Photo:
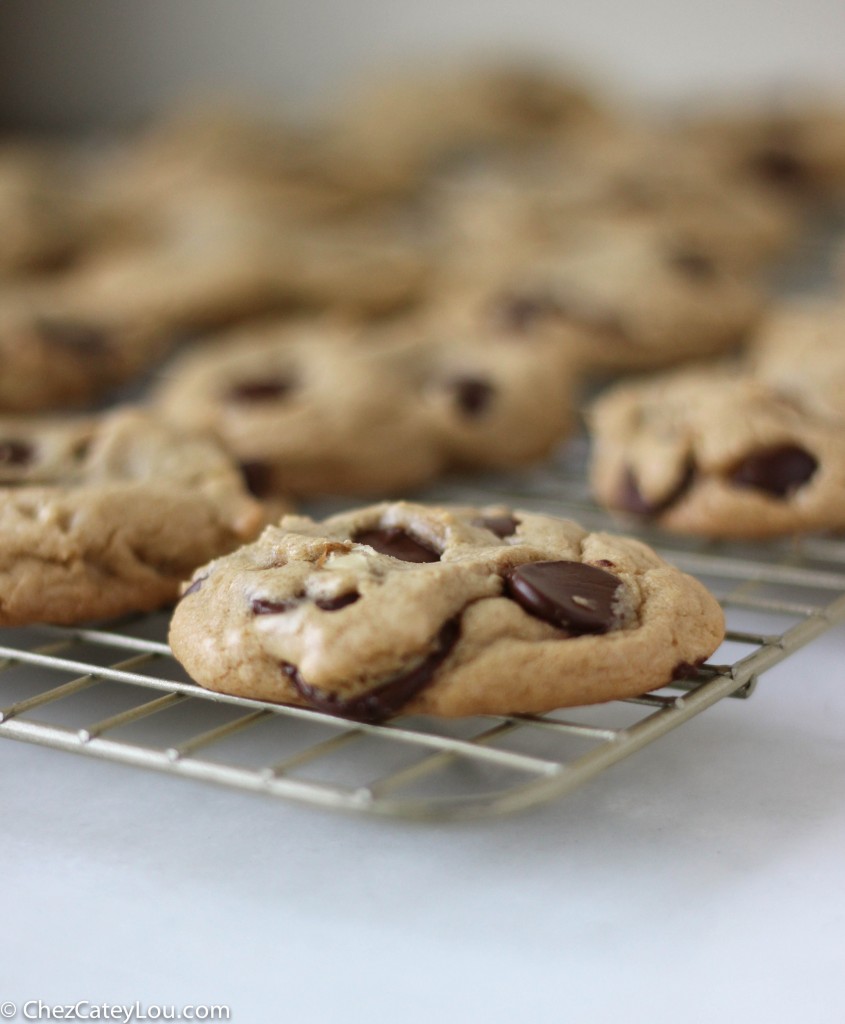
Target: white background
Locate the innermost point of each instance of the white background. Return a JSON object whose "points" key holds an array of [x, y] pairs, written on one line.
{"points": [[700, 881], [90, 62]]}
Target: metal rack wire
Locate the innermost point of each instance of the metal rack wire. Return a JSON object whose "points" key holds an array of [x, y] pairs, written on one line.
{"points": [[117, 693]]}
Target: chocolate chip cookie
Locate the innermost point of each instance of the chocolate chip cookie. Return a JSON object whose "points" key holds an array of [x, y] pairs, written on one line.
{"points": [[59, 351], [795, 150], [420, 123], [106, 516], [800, 352], [403, 608], [718, 453], [632, 177], [615, 297], [41, 220], [318, 407]]}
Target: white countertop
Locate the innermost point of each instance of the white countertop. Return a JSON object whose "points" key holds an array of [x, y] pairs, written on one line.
{"points": [[699, 880]]}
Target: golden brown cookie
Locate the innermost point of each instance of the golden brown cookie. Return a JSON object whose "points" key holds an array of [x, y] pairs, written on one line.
{"points": [[317, 407], [614, 297], [800, 352], [103, 516], [406, 608], [718, 453]]}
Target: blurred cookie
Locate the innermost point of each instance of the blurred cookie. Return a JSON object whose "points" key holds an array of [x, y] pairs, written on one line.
{"points": [[317, 407], [614, 297], [635, 176], [795, 150], [416, 124], [101, 517], [800, 352], [404, 608], [222, 253], [58, 351], [41, 221], [718, 453]]}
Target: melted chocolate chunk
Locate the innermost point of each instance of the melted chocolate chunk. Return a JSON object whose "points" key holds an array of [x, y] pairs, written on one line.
{"points": [[260, 390], [777, 471], [631, 499], [396, 542], [16, 453], [570, 595], [502, 526], [472, 395], [258, 477], [385, 699], [332, 604], [84, 340], [261, 606], [694, 265]]}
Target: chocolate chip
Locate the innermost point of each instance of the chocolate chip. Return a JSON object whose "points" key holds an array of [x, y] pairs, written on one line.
{"points": [[261, 606], [396, 542], [472, 395], [777, 471], [387, 698], [780, 166], [81, 449], [264, 390], [694, 265], [332, 604], [502, 526], [572, 596], [687, 670], [15, 453], [630, 498], [258, 477], [80, 338], [521, 312]]}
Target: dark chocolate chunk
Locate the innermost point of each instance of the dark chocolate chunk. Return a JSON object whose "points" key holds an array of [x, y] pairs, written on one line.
{"points": [[332, 604], [84, 340], [261, 606], [385, 699], [694, 265], [264, 390], [576, 597], [472, 395], [502, 526], [15, 453], [631, 499], [778, 471], [258, 477], [396, 542]]}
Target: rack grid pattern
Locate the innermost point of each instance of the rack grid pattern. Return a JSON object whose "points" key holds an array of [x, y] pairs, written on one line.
{"points": [[117, 693]]}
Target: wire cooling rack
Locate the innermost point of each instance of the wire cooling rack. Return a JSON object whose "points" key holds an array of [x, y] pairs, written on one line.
{"points": [[117, 693]]}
